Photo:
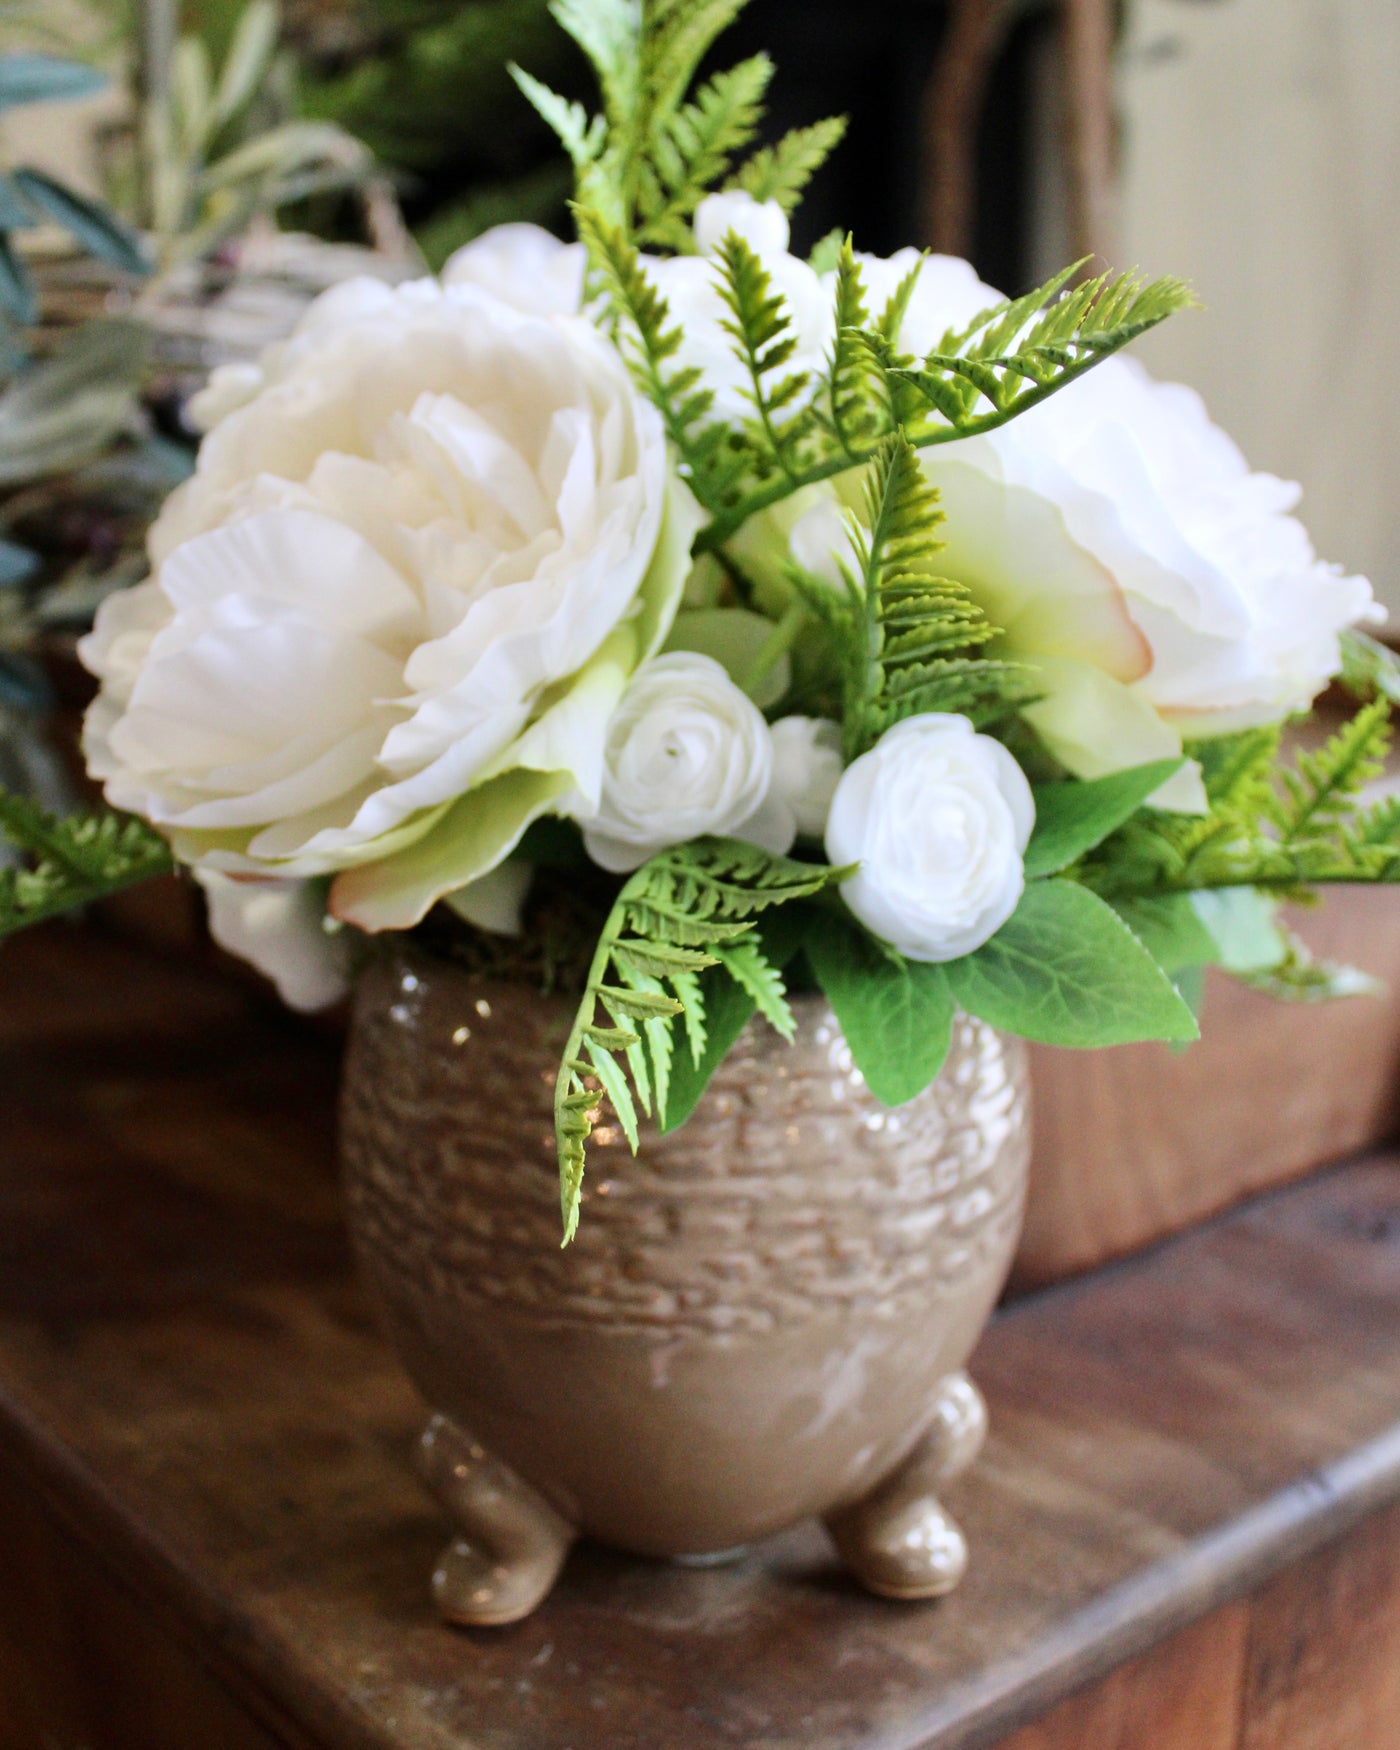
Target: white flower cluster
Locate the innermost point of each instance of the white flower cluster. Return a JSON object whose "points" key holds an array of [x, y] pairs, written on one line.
{"points": [[420, 588]]}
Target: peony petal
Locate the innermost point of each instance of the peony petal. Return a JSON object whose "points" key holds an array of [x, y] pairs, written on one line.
{"points": [[1094, 725], [471, 838]]}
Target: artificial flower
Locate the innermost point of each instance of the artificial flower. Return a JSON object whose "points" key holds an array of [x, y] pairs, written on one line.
{"points": [[280, 927], [807, 768], [1160, 589], [938, 818], [391, 614], [687, 754], [524, 266]]}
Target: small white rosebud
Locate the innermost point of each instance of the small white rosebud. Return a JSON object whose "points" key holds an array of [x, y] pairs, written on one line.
{"points": [[806, 769], [938, 817], [687, 754]]}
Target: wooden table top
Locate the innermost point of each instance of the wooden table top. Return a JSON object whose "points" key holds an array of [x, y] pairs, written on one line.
{"points": [[191, 1378]]}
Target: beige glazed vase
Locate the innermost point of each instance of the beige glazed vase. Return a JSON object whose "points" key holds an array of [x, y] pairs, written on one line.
{"points": [[764, 1317]]}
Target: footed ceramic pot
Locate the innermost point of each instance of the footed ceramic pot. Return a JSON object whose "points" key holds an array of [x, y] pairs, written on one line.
{"points": [[764, 1317]]}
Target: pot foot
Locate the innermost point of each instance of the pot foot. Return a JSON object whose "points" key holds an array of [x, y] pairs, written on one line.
{"points": [[513, 1543], [898, 1541]]}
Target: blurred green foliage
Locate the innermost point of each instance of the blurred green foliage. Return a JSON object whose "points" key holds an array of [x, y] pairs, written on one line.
{"points": [[424, 84]]}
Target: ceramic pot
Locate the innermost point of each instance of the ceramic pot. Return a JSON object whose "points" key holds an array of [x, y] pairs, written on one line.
{"points": [[765, 1314]]}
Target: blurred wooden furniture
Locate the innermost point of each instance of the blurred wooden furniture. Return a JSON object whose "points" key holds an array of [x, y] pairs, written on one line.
{"points": [[1184, 1531], [1136, 1143]]}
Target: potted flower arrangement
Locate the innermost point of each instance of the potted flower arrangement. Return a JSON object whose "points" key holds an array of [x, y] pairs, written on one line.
{"points": [[718, 704]]}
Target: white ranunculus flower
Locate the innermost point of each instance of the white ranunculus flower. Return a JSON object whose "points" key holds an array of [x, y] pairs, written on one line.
{"points": [[280, 928], [524, 266], [938, 817], [691, 285], [687, 754], [392, 612], [807, 768]]}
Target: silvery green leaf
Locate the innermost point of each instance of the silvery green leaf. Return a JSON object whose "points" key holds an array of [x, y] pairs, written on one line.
{"points": [[66, 409], [46, 79], [282, 151], [100, 232], [14, 214], [192, 86], [248, 58], [16, 291], [17, 564]]}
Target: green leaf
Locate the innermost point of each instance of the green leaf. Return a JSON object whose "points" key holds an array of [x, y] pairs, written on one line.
{"points": [[1171, 930], [46, 79], [1241, 922], [17, 298], [99, 232], [63, 410], [1071, 818], [1066, 970], [248, 59], [897, 1015]]}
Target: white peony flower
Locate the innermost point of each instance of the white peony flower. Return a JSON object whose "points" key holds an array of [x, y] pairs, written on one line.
{"points": [[392, 612], [691, 286], [687, 754], [807, 768], [1122, 543], [280, 928], [524, 266], [938, 817]]}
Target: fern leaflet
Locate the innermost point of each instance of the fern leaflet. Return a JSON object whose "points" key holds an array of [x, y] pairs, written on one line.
{"points": [[71, 860], [689, 908], [919, 635]]}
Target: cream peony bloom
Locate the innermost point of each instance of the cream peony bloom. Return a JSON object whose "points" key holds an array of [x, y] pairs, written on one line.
{"points": [[1119, 538], [524, 266], [391, 614], [687, 754], [691, 285], [938, 817]]}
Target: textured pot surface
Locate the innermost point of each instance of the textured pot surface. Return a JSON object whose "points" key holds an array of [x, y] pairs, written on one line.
{"points": [[753, 1322]]}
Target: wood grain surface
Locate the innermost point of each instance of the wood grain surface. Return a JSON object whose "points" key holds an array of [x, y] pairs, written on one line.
{"points": [[204, 1447]]}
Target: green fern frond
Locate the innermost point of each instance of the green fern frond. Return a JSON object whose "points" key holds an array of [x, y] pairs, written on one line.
{"points": [[780, 173], [72, 860], [857, 398], [610, 34], [676, 37], [1322, 789], [1017, 353], [1269, 826], [581, 135], [689, 908], [919, 635], [1300, 977], [765, 342], [693, 148], [650, 341]]}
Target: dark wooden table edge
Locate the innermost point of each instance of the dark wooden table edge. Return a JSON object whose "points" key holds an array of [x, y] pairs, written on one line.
{"points": [[1165, 1597], [257, 1667], [250, 1666]]}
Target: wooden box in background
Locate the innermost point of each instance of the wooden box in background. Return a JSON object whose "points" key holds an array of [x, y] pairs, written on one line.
{"points": [[1136, 1143]]}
